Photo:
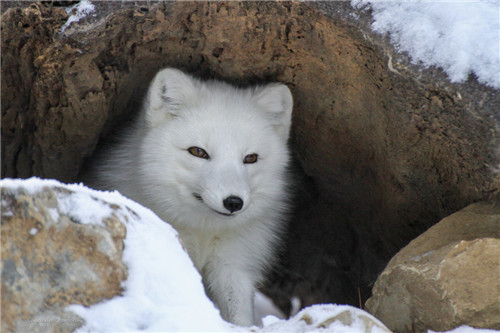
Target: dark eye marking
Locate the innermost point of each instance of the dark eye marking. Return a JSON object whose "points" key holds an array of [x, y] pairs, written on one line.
{"points": [[198, 152], [251, 158]]}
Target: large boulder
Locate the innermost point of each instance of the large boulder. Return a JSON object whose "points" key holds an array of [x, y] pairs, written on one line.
{"points": [[381, 153], [447, 277], [51, 260], [77, 258]]}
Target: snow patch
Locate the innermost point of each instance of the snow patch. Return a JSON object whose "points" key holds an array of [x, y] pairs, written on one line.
{"points": [[327, 318], [4, 212], [461, 37], [77, 12], [83, 208], [53, 213], [265, 307]]}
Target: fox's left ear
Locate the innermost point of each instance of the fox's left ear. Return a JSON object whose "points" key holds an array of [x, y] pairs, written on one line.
{"points": [[277, 102], [169, 93]]}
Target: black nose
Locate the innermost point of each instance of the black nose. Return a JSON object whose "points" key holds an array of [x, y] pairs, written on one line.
{"points": [[233, 203]]}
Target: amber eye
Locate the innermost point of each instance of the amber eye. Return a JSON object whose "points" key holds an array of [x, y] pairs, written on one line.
{"points": [[250, 158], [198, 152]]}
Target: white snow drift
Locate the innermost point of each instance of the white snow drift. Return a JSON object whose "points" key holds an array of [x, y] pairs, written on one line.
{"points": [[461, 37]]}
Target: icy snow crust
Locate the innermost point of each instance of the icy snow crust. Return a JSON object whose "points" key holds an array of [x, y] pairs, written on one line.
{"points": [[77, 12], [163, 291], [460, 36]]}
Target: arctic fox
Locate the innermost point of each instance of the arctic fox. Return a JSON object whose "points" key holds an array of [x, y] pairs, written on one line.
{"points": [[211, 159]]}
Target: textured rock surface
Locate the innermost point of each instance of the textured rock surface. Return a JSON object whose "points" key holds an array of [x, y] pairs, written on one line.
{"points": [[447, 277], [50, 261], [329, 318], [380, 156]]}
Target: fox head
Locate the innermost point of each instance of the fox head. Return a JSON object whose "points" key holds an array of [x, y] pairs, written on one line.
{"points": [[215, 154]]}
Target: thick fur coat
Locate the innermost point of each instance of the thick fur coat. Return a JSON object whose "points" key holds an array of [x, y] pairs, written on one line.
{"points": [[211, 160]]}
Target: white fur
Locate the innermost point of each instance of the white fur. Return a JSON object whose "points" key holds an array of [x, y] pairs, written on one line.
{"points": [[152, 166]]}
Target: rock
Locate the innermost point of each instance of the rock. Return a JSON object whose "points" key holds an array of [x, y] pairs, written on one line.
{"points": [[381, 154], [96, 261], [445, 278], [327, 318], [50, 260]]}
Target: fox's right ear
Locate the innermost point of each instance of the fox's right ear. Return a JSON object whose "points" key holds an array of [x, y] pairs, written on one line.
{"points": [[169, 92]]}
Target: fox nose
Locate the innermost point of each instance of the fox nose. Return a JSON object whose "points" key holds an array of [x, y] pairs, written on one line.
{"points": [[233, 203]]}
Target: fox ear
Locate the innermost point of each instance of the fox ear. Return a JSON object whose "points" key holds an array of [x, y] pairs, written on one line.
{"points": [[277, 102], [168, 93]]}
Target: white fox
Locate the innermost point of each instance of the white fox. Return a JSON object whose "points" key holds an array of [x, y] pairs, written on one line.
{"points": [[211, 159]]}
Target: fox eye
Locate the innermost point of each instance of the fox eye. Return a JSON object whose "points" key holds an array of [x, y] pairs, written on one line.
{"points": [[198, 152], [250, 158]]}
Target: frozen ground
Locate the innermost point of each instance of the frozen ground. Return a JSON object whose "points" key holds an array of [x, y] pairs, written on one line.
{"points": [[461, 36], [163, 291]]}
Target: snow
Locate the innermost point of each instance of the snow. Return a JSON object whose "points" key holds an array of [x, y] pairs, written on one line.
{"points": [[264, 306], [77, 12], [54, 214], [163, 291], [461, 37], [327, 318], [83, 208]]}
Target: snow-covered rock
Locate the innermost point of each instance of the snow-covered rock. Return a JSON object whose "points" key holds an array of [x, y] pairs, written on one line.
{"points": [[98, 262], [459, 36], [77, 12], [327, 318], [94, 249]]}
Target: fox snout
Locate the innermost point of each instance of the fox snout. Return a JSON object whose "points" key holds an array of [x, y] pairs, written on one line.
{"points": [[223, 187], [233, 203]]}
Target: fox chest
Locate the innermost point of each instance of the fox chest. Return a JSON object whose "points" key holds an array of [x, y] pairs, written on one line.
{"points": [[201, 248]]}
